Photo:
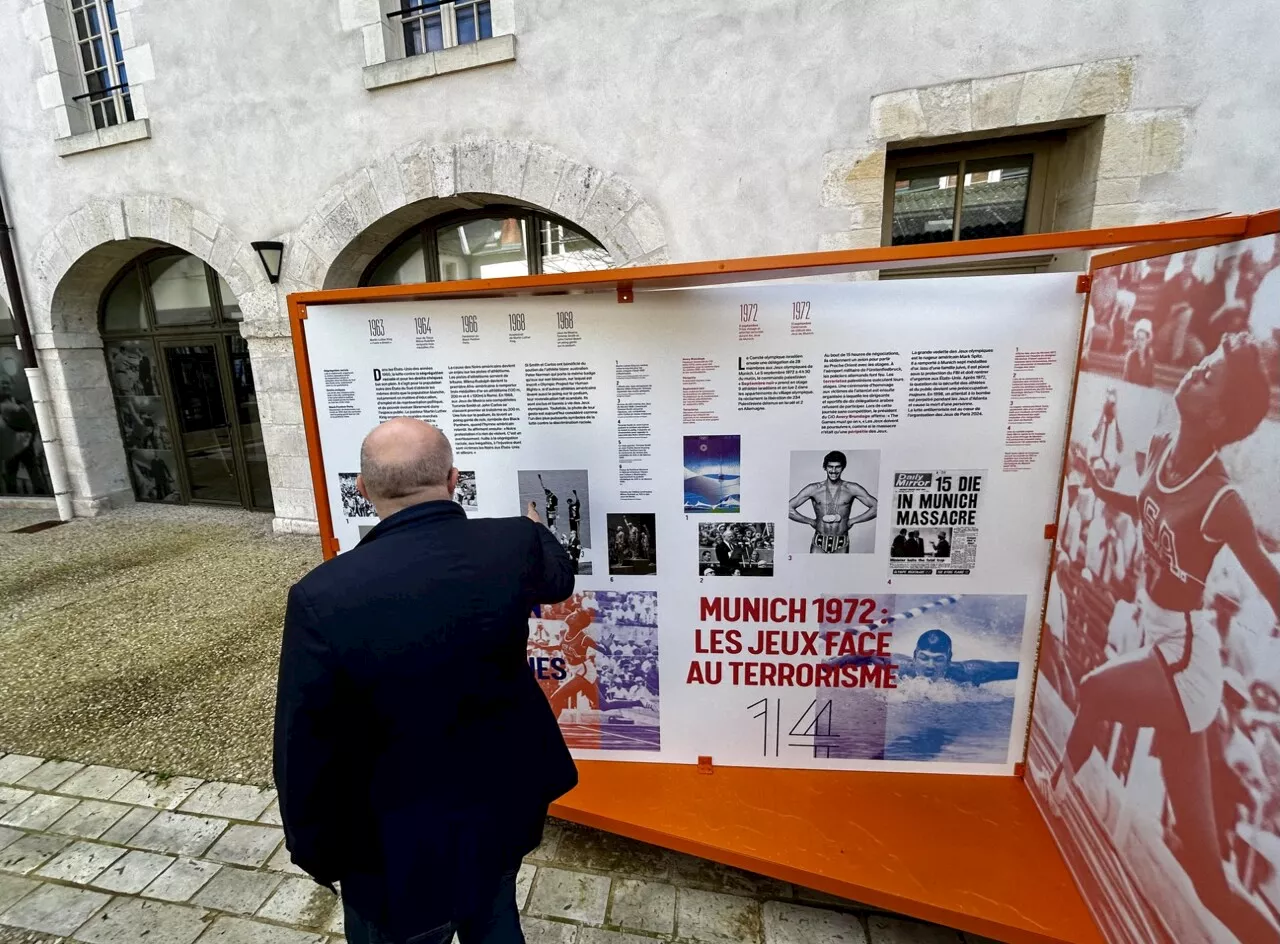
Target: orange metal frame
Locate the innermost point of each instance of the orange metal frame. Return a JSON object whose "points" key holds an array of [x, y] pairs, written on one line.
{"points": [[971, 852], [688, 274]]}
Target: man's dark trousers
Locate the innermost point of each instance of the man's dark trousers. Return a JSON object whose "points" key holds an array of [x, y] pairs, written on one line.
{"points": [[415, 754], [498, 922]]}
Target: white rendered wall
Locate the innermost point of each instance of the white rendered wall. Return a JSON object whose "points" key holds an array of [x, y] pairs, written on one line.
{"points": [[690, 131]]}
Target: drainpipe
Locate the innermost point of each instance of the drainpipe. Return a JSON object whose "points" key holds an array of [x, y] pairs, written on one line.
{"points": [[45, 419]]}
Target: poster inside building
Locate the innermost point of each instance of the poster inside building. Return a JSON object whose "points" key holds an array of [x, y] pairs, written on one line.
{"points": [[807, 519], [1155, 744]]}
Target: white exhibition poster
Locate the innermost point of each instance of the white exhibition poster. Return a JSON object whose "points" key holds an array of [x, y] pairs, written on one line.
{"points": [[808, 518]]}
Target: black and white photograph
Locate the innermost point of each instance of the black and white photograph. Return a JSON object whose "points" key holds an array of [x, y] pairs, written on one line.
{"points": [[465, 493], [132, 368], [144, 422], [921, 542], [833, 503], [738, 549], [632, 548], [23, 470], [354, 505], [560, 496], [155, 473]]}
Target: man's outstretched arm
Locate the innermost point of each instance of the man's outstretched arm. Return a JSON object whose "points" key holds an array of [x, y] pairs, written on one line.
{"points": [[981, 671], [552, 570]]}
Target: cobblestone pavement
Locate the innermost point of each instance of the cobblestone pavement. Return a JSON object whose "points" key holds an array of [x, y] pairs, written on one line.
{"points": [[104, 855], [147, 639]]}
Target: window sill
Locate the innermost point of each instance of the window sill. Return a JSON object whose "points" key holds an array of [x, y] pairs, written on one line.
{"points": [[137, 130], [1016, 265], [454, 59]]}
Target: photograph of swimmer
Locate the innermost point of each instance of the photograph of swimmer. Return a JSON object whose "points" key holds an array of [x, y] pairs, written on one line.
{"points": [[833, 501], [957, 661]]}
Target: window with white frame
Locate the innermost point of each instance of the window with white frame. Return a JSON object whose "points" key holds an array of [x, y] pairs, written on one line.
{"points": [[101, 56], [434, 25]]}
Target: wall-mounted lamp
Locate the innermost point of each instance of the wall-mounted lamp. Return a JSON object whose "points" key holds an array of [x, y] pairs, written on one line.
{"points": [[270, 253]]}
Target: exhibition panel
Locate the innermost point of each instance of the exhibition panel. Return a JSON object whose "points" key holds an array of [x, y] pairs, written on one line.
{"points": [[1155, 747], [813, 528], [807, 520]]}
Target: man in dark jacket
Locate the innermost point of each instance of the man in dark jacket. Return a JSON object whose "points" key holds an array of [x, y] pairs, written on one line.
{"points": [[415, 754]]}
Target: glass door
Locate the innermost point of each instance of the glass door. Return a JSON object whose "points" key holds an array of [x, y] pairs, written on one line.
{"points": [[245, 400], [205, 426], [144, 420]]}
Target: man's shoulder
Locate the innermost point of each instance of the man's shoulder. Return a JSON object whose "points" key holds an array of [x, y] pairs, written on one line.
{"points": [[335, 571], [373, 555]]}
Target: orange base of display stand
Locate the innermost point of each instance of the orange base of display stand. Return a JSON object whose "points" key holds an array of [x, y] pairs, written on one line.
{"points": [[970, 852]]}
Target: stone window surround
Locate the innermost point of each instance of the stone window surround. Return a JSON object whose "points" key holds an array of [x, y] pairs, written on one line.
{"points": [[385, 63], [48, 24], [1136, 145]]}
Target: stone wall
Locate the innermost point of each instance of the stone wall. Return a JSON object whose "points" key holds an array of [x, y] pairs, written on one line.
{"points": [[734, 129], [1111, 157]]}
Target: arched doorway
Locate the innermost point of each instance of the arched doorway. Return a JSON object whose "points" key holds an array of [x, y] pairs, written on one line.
{"points": [[495, 241], [23, 471], [183, 385]]}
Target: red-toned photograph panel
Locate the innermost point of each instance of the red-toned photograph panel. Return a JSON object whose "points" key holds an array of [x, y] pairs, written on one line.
{"points": [[1155, 742]]}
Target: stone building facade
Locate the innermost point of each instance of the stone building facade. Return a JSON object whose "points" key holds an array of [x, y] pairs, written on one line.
{"points": [[659, 133]]}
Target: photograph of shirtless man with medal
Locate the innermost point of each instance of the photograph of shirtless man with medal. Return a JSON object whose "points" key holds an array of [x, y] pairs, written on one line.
{"points": [[831, 510]]}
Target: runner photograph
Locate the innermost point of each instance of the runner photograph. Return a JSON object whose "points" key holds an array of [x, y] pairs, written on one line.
{"points": [[1155, 744]]}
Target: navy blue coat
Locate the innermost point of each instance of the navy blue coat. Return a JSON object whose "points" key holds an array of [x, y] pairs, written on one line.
{"points": [[415, 754]]}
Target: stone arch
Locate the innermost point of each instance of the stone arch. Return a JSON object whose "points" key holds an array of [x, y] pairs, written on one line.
{"points": [[82, 253], [75, 263], [359, 216]]}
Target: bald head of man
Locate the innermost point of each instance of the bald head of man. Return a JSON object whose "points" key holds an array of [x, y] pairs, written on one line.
{"points": [[405, 462]]}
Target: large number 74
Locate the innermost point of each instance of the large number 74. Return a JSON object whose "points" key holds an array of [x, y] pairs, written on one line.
{"points": [[810, 729]]}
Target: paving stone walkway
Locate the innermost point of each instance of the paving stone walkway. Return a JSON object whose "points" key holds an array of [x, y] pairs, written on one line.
{"points": [[103, 855]]}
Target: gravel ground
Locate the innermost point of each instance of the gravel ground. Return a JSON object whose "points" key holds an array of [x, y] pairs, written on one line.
{"points": [[146, 638]]}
